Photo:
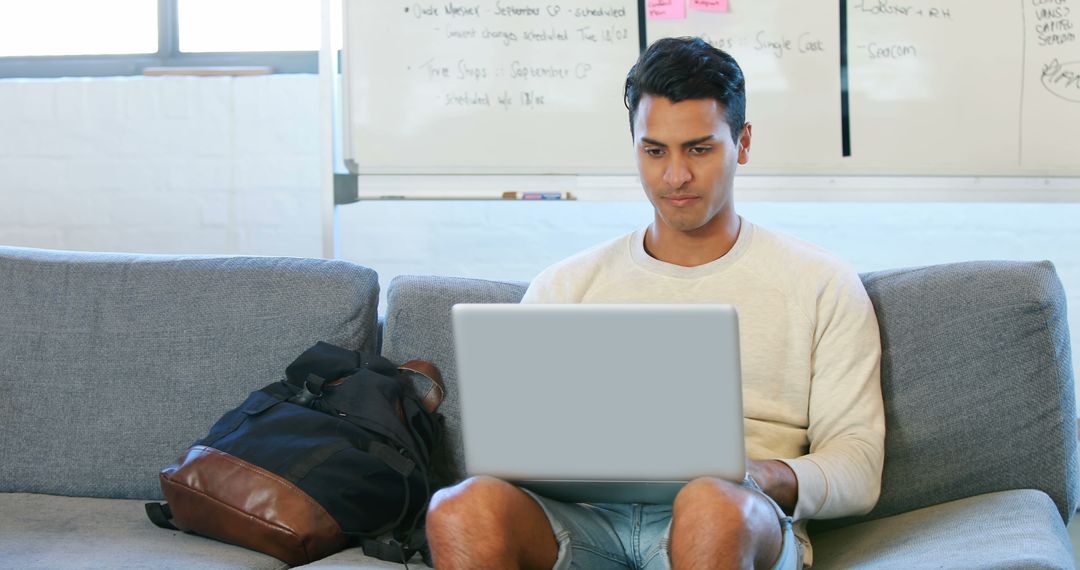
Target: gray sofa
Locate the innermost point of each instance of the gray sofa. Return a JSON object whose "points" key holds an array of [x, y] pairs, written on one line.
{"points": [[111, 364]]}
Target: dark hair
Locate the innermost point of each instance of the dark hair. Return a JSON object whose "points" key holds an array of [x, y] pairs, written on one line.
{"points": [[688, 68]]}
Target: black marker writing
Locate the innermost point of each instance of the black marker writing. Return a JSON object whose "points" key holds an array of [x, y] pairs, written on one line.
{"points": [[1062, 79]]}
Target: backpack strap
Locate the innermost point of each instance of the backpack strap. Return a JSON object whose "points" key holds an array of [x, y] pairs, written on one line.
{"points": [[403, 466], [390, 551], [315, 457], [160, 514], [401, 547], [434, 395]]}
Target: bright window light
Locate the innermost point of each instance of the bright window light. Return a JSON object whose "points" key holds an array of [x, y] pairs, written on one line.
{"points": [[78, 27], [249, 25]]}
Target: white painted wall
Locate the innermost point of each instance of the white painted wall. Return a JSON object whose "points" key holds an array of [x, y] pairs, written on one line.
{"points": [[223, 165], [515, 240]]}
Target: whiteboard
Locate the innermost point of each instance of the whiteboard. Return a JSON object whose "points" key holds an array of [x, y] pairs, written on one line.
{"points": [[488, 86], [935, 87], [969, 88]]}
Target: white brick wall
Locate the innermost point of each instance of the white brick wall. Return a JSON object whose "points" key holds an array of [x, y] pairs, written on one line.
{"points": [[162, 165], [223, 165]]}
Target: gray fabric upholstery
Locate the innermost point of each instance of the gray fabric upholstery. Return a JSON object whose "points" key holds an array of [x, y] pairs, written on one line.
{"points": [[977, 383], [48, 532], [1010, 529], [113, 363], [418, 326], [354, 559]]}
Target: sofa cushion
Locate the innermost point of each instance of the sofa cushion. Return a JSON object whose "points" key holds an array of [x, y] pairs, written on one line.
{"points": [[355, 559], [1010, 529], [113, 363], [43, 531], [977, 383], [418, 326]]}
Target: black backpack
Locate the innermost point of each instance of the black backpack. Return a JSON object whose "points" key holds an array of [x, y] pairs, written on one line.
{"points": [[338, 453]]}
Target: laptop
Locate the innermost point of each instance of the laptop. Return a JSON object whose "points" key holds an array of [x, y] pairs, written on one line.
{"points": [[600, 403]]}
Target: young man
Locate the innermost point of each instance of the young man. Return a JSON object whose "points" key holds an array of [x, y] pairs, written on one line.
{"points": [[810, 345]]}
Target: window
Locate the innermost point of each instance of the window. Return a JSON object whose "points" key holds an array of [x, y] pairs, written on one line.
{"points": [[77, 27], [55, 38], [247, 25]]}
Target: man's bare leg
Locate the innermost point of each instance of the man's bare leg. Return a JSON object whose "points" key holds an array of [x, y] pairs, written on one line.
{"points": [[484, 523], [719, 524]]}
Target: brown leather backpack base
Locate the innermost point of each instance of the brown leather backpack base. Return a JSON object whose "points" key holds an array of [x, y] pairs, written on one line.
{"points": [[240, 503]]}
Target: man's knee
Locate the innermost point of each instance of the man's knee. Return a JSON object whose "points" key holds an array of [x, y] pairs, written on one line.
{"points": [[487, 522], [475, 501], [712, 517], [467, 522], [718, 502], [715, 496]]}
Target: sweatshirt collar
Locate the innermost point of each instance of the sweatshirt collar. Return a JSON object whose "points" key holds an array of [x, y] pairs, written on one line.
{"points": [[642, 259]]}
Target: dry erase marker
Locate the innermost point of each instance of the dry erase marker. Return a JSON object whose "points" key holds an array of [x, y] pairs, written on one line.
{"points": [[541, 196]]}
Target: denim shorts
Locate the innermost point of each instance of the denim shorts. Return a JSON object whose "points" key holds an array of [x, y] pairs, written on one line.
{"points": [[634, 536]]}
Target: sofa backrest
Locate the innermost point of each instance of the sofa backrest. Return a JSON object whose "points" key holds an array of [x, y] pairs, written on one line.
{"points": [[112, 364], [418, 326], [976, 375]]}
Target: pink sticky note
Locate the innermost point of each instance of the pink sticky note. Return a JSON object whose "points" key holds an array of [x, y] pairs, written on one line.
{"points": [[665, 9], [710, 5]]}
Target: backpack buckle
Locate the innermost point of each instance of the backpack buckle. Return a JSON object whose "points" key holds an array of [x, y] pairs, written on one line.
{"points": [[311, 391]]}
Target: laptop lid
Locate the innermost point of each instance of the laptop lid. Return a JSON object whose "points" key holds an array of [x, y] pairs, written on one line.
{"points": [[600, 403]]}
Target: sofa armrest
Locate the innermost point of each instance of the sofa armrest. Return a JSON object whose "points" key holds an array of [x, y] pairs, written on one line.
{"points": [[978, 386]]}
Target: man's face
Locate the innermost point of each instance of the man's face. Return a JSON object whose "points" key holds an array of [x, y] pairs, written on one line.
{"points": [[687, 160]]}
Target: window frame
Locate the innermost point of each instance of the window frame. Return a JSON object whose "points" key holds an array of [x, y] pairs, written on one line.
{"points": [[168, 55]]}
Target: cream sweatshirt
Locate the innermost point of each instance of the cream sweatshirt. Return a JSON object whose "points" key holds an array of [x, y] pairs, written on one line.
{"points": [[810, 351]]}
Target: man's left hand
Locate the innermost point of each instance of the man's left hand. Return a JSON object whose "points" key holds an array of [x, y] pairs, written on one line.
{"points": [[777, 480]]}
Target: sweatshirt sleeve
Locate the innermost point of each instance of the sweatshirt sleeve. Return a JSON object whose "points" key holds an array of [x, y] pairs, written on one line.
{"points": [[841, 474]]}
